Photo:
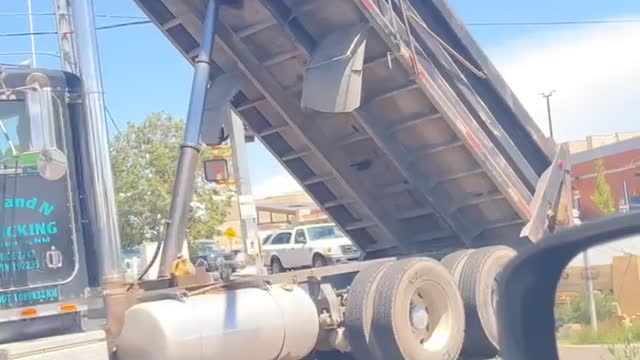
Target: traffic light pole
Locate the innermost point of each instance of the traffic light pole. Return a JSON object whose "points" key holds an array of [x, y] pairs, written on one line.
{"points": [[246, 203]]}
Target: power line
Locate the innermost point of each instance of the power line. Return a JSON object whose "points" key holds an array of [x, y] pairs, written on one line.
{"points": [[479, 23], [104, 16], [120, 25], [35, 33], [113, 122], [18, 53], [552, 23], [105, 27]]}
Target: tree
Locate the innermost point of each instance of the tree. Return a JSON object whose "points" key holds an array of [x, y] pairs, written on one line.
{"points": [[602, 196], [577, 312], [144, 160]]}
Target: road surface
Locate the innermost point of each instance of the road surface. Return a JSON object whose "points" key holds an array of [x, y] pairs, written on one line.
{"points": [[586, 352]]}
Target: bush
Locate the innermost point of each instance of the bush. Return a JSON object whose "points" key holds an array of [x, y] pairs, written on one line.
{"points": [[587, 336], [577, 312]]}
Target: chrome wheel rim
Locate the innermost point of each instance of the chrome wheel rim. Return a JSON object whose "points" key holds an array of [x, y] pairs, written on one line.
{"points": [[430, 316]]}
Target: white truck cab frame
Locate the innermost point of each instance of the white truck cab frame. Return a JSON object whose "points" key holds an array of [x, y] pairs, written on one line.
{"points": [[308, 246]]}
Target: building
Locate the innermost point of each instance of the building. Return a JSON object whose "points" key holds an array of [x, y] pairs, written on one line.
{"points": [[284, 210], [274, 212], [620, 278], [621, 160], [596, 141]]}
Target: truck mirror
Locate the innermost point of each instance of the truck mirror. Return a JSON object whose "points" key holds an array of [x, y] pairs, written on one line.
{"points": [[216, 170], [52, 164]]}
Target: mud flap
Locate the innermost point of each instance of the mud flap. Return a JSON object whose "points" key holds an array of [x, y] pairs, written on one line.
{"points": [[546, 200], [217, 111], [333, 79]]}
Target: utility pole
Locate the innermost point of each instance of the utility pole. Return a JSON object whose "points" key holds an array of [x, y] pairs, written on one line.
{"points": [[246, 203], [32, 35], [547, 97], [68, 56], [588, 279], [593, 316]]}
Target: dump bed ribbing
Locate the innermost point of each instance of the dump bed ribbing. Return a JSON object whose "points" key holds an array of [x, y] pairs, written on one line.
{"points": [[369, 121]]}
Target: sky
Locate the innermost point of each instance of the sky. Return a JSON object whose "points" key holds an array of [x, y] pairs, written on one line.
{"points": [[594, 69]]}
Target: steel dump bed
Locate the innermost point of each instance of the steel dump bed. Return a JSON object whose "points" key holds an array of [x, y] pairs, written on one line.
{"points": [[410, 140]]}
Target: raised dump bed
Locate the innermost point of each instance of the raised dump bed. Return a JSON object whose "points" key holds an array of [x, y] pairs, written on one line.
{"points": [[410, 140]]}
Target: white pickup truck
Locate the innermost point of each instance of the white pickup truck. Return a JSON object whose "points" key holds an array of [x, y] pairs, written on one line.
{"points": [[308, 246]]}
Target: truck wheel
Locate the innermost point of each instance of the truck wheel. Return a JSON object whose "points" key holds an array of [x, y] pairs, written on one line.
{"points": [[276, 266], [318, 261], [359, 311], [418, 313], [455, 261], [478, 287]]}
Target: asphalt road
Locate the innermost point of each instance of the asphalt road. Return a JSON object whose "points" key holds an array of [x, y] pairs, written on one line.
{"points": [[584, 352]]}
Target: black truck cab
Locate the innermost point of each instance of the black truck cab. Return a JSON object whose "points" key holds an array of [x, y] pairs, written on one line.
{"points": [[44, 278]]}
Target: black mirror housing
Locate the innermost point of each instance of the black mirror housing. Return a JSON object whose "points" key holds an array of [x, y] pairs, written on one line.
{"points": [[527, 289]]}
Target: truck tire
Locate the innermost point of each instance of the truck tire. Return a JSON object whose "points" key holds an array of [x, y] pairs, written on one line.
{"points": [[455, 261], [359, 311], [477, 285], [418, 313]]}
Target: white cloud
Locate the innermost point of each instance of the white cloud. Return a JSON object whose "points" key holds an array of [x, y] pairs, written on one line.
{"points": [[594, 69], [275, 185]]}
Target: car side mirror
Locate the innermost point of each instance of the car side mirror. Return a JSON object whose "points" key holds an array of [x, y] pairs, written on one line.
{"points": [[527, 287], [52, 163]]}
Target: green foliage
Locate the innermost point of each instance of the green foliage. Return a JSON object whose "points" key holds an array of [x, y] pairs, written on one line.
{"points": [[617, 336], [577, 312], [144, 160], [602, 196]]}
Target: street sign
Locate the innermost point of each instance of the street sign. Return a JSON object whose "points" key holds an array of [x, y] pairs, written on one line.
{"points": [[230, 233]]}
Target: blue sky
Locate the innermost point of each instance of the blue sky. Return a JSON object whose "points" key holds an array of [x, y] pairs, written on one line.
{"points": [[142, 72]]}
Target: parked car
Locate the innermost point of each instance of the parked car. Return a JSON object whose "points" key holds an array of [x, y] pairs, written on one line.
{"points": [[266, 238], [209, 254], [308, 246]]}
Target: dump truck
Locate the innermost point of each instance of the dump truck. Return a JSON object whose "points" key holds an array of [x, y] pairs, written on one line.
{"points": [[393, 120]]}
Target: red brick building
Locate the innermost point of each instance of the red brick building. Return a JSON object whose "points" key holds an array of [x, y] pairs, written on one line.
{"points": [[621, 162]]}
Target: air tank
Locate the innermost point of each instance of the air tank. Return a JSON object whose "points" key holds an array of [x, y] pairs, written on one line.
{"points": [[279, 322]]}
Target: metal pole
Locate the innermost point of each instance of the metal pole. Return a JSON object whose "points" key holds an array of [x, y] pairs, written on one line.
{"points": [[101, 194], [588, 280], [248, 213], [32, 35], [589, 289], [626, 195], [190, 148], [547, 97], [68, 56]]}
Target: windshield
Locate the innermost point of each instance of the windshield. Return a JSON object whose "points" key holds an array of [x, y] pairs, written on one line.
{"points": [[206, 248], [14, 129], [324, 232]]}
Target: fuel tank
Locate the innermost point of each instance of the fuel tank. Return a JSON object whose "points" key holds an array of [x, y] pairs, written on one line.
{"points": [[280, 322]]}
